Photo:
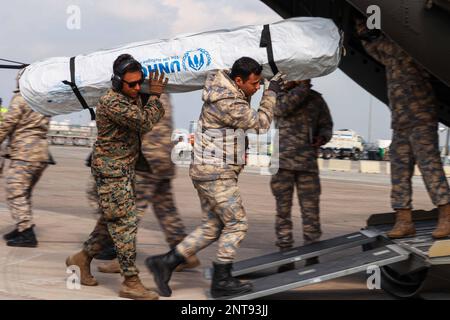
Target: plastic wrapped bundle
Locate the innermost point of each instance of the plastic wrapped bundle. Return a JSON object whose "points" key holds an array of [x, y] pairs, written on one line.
{"points": [[303, 48]]}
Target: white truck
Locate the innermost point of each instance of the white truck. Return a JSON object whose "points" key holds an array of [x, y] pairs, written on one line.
{"points": [[344, 143], [63, 133]]}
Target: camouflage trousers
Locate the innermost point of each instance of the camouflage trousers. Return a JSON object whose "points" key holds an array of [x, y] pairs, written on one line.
{"points": [[117, 224], [224, 220], [158, 192], [308, 192], [91, 194], [417, 145], [21, 178]]}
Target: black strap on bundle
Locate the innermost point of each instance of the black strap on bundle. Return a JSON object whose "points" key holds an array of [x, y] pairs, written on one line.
{"points": [[7, 66], [18, 65], [266, 42], [75, 89]]}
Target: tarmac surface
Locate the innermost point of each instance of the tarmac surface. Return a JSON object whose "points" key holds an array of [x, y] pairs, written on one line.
{"points": [[64, 219]]}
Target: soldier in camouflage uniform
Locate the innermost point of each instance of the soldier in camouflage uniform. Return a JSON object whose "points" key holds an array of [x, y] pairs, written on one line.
{"points": [[304, 124], [215, 170], [155, 186], [122, 119], [3, 110], [415, 139], [29, 155]]}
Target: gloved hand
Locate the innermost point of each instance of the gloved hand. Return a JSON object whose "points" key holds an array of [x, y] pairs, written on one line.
{"points": [[157, 83], [276, 84], [364, 33]]}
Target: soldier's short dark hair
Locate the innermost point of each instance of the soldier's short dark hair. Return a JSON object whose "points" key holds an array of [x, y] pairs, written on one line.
{"points": [[244, 67], [125, 63]]}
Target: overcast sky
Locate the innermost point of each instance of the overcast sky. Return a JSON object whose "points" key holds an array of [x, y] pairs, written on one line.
{"points": [[36, 30]]}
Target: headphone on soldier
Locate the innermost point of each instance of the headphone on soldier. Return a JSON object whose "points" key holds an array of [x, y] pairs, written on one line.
{"points": [[116, 78]]}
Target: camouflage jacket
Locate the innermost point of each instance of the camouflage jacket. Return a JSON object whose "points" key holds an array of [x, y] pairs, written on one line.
{"points": [[300, 115], [157, 144], [411, 96], [121, 121], [27, 131], [219, 143]]}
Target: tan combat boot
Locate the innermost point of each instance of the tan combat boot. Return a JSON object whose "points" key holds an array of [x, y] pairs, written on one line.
{"points": [[191, 263], [110, 267], [132, 288], [443, 227], [83, 261], [404, 226]]}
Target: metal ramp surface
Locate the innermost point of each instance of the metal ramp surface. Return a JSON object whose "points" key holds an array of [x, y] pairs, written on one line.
{"points": [[302, 277], [300, 253]]}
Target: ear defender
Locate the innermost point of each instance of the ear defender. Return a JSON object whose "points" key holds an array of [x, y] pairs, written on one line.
{"points": [[116, 78]]}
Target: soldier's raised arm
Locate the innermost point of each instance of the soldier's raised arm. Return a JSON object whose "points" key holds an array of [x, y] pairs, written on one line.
{"points": [[375, 43], [243, 116], [128, 114]]}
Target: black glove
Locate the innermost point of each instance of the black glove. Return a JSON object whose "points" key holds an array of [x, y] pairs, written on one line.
{"points": [[277, 82]]}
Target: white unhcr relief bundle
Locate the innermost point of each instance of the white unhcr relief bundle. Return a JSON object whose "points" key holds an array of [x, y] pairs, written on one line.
{"points": [[301, 47]]}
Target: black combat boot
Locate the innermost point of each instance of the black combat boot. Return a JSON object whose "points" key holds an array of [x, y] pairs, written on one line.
{"points": [[162, 267], [10, 235], [26, 238], [288, 266], [223, 284], [108, 253]]}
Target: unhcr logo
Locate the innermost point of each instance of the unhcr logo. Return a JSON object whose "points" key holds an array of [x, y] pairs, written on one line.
{"points": [[196, 59]]}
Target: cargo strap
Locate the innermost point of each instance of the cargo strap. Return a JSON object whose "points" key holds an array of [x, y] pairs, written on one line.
{"points": [[75, 89], [266, 42], [18, 65], [7, 66]]}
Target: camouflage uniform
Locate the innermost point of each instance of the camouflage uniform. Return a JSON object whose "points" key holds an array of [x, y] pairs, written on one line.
{"points": [[28, 151], [300, 115], [225, 108], [414, 122], [121, 121], [3, 152], [154, 186], [91, 194]]}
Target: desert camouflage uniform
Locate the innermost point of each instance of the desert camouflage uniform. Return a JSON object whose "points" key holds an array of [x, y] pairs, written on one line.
{"points": [[3, 151], [154, 186], [28, 151], [121, 121], [300, 115], [414, 122], [225, 108]]}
